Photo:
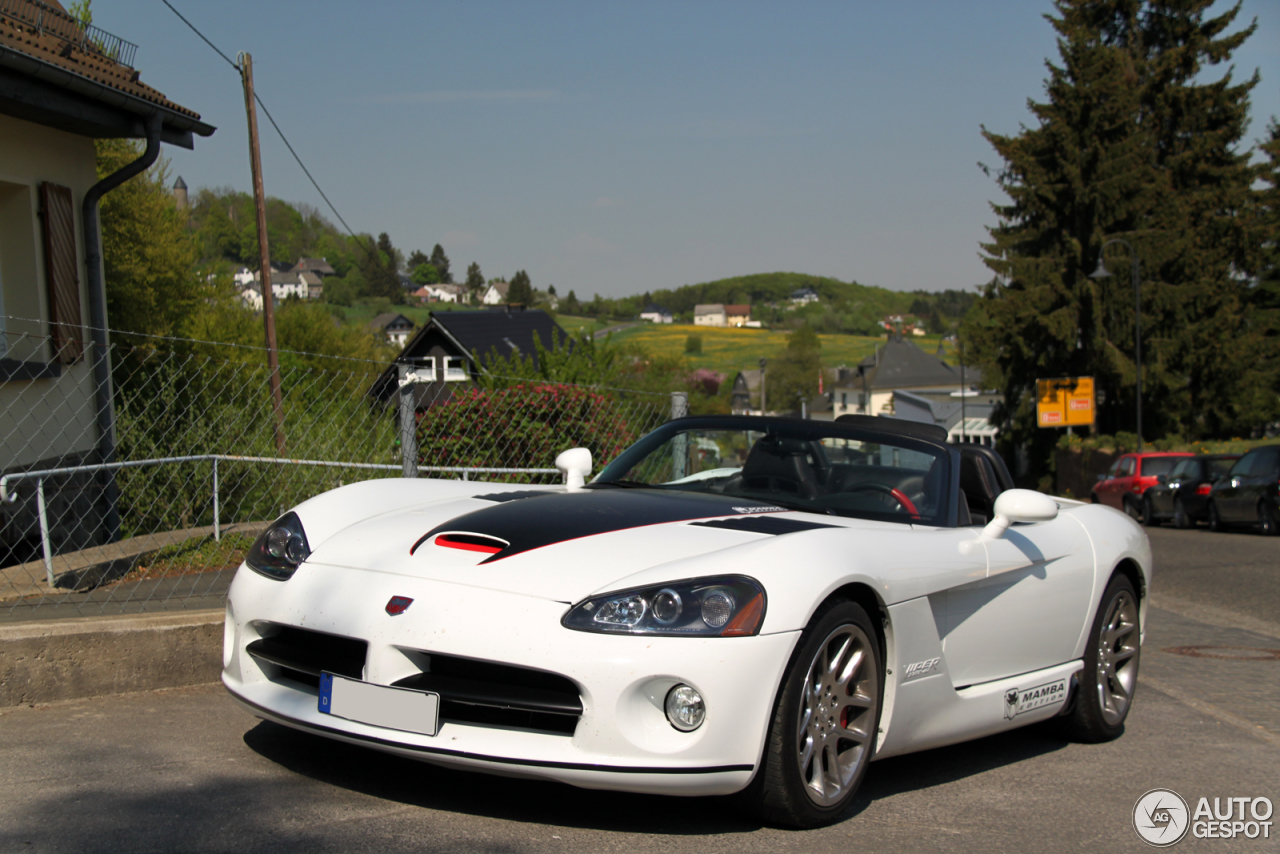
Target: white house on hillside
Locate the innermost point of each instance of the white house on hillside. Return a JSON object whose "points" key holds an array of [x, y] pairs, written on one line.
{"points": [[656, 314], [712, 314], [495, 294]]}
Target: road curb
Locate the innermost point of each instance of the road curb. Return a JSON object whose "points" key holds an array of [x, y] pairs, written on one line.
{"points": [[46, 662]]}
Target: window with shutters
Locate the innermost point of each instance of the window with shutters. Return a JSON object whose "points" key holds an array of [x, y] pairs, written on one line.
{"points": [[58, 224]]}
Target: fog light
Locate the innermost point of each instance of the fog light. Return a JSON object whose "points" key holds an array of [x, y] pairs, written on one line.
{"points": [[685, 709]]}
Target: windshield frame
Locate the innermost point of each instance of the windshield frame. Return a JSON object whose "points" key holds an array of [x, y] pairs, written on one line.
{"points": [[948, 456]]}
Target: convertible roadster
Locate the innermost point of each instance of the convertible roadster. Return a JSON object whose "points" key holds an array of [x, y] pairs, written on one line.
{"points": [[734, 605]]}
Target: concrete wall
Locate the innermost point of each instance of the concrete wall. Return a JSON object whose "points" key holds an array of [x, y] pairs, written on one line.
{"points": [[44, 662]]}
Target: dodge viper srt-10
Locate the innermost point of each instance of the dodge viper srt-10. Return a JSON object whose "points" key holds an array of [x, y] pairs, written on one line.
{"points": [[734, 605]]}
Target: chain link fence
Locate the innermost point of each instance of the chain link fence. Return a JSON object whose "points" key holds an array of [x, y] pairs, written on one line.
{"points": [[146, 497]]}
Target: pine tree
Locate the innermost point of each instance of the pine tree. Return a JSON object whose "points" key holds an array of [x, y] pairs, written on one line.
{"points": [[1127, 146], [440, 261], [380, 269], [520, 290], [475, 279]]}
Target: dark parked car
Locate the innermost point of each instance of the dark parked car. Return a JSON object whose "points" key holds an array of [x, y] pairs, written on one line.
{"points": [[1183, 495], [1130, 476], [1250, 493]]}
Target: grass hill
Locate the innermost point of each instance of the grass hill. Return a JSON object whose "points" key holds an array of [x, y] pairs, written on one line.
{"points": [[844, 307]]}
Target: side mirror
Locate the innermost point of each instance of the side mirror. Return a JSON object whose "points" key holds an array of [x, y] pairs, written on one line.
{"points": [[1162, 478], [575, 465], [1019, 505]]}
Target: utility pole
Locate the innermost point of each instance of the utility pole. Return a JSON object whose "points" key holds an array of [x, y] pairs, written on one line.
{"points": [[763, 364], [260, 202]]}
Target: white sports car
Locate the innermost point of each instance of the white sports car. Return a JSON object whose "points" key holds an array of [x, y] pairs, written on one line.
{"points": [[735, 604]]}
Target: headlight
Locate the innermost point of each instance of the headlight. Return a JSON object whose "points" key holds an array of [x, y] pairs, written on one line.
{"points": [[728, 606], [280, 549]]}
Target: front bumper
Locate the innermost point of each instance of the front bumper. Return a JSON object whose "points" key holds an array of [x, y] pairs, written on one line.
{"points": [[622, 739]]}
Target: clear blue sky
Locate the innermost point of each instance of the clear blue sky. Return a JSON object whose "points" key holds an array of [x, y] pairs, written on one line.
{"points": [[616, 148]]}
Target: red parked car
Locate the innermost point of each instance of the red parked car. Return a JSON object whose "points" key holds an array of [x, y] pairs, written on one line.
{"points": [[1130, 476]]}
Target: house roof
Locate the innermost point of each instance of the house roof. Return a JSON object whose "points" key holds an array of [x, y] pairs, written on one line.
{"points": [[653, 308], [501, 288], [899, 363], [737, 310], [314, 265], [53, 73], [710, 308], [389, 319], [481, 332]]}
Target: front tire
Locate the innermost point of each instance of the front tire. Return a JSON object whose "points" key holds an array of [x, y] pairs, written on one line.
{"points": [[1110, 672], [825, 722]]}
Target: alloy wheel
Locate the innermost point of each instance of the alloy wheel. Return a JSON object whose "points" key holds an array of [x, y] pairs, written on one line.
{"points": [[837, 714], [1118, 657]]}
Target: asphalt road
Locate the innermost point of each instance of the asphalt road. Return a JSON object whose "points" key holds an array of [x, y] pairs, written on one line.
{"points": [[186, 770]]}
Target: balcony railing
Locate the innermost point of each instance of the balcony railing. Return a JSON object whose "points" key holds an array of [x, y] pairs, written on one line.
{"points": [[47, 20]]}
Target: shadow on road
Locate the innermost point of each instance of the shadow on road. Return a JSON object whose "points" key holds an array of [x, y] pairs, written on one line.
{"points": [[406, 781]]}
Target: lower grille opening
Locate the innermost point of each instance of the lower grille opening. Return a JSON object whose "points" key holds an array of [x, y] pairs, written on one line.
{"points": [[485, 692], [300, 655]]}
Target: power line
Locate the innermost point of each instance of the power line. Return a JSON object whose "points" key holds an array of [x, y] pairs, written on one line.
{"points": [[271, 119], [200, 34]]}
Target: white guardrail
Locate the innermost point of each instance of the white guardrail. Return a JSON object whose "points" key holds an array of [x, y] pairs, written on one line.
{"points": [[8, 494]]}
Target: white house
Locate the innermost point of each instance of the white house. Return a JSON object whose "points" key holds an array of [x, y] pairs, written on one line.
{"points": [[657, 314], [804, 296], [495, 294], [710, 315]]}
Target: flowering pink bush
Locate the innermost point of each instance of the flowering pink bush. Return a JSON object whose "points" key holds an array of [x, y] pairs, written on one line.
{"points": [[706, 381], [524, 426]]}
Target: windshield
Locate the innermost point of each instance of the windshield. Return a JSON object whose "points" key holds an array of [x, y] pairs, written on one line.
{"points": [[811, 466], [1219, 468], [1152, 466]]}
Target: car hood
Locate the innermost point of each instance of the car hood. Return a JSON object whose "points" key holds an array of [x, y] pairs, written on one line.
{"points": [[560, 546]]}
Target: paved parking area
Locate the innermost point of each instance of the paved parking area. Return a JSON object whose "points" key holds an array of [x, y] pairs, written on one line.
{"points": [[186, 770]]}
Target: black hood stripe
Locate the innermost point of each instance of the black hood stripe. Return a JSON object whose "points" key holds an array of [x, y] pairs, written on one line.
{"points": [[559, 517]]}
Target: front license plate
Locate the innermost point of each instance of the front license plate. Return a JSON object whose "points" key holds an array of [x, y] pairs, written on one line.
{"points": [[380, 705]]}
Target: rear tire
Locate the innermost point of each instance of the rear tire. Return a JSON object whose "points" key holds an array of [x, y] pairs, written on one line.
{"points": [[1110, 672], [825, 722], [1149, 513], [1180, 517], [1132, 509], [1268, 523], [1215, 521]]}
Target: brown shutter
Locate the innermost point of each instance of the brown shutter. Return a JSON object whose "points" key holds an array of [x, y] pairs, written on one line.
{"points": [[59, 225]]}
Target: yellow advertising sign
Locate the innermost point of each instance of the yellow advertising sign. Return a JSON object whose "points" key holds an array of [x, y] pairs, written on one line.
{"points": [[1065, 402]]}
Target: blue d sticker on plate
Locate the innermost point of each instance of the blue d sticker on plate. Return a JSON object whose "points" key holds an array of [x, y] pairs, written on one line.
{"points": [[326, 692]]}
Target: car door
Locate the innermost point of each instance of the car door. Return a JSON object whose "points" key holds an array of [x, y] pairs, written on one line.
{"points": [[1184, 475], [1260, 480], [1030, 609], [1106, 486], [1228, 498], [1118, 485]]}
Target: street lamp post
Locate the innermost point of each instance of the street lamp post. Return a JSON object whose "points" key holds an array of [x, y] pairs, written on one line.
{"points": [[1101, 273]]}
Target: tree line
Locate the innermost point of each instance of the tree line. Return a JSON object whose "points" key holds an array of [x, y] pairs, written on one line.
{"points": [[1138, 139]]}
